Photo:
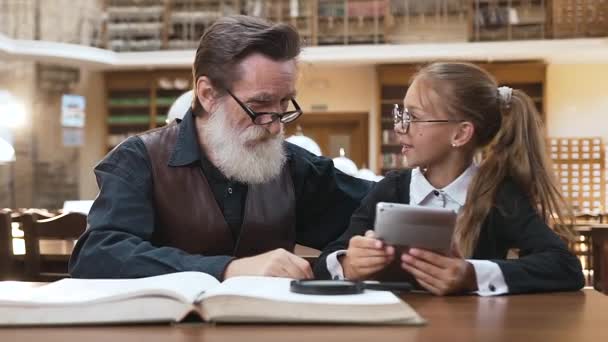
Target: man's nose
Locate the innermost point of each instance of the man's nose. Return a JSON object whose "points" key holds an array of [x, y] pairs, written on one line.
{"points": [[274, 127]]}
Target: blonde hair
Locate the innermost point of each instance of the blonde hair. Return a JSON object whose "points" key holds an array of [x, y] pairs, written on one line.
{"points": [[511, 133]]}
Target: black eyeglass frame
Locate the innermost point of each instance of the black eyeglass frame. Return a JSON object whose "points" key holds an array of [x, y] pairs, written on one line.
{"points": [[258, 117], [403, 117]]}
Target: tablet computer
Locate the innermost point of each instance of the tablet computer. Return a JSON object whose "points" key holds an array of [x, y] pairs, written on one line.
{"points": [[406, 226]]}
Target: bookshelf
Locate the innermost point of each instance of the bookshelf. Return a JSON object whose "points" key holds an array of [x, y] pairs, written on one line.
{"points": [[134, 25], [393, 84], [300, 14], [144, 25], [186, 20], [410, 21], [139, 100], [507, 19], [390, 94], [148, 25], [351, 22], [578, 18]]}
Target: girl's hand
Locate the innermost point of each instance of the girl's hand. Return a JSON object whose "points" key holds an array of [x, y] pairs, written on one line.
{"points": [[440, 274], [365, 256]]}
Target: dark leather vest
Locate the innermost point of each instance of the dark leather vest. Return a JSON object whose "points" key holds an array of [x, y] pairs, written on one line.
{"points": [[187, 215]]}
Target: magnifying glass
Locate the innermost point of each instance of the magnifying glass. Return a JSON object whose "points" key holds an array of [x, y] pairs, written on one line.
{"points": [[345, 287]]}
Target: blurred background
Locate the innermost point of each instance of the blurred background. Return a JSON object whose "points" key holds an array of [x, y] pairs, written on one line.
{"points": [[78, 77]]}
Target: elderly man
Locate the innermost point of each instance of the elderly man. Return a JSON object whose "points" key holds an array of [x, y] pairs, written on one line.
{"points": [[220, 192]]}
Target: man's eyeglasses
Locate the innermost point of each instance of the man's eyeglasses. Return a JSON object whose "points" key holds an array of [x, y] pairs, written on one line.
{"points": [[265, 118], [403, 119]]}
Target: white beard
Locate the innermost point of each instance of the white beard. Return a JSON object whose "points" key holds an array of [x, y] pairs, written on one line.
{"points": [[250, 157]]}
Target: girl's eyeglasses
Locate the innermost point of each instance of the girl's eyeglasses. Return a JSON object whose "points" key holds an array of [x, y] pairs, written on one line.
{"points": [[403, 119]]}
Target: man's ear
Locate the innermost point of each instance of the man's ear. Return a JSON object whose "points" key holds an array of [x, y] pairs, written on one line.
{"points": [[206, 94], [463, 134]]}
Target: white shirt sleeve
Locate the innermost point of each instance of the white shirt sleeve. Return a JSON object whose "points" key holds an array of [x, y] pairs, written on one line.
{"points": [[490, 280], [333, 265]]}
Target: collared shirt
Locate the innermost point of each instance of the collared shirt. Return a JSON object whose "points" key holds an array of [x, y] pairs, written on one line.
{"points": [[490, 280], [230, 195], [121, 223], [453, 196]]}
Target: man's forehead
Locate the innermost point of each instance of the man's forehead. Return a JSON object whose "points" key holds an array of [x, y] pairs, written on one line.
{"points": [[259, 68], [260, 61], [266, 79], [269, 95]]}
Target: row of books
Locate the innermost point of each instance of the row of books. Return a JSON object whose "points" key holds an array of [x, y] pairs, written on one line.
{"points": [[134, 119], [140, 101], [393, 160], [389, 137]]}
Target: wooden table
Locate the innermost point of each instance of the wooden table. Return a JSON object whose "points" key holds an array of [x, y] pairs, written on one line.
{"points": [[576, 316]]}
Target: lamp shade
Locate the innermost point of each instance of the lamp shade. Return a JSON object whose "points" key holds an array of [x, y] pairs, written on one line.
{"points": [[180, 106], [345, 164], [304, 142], [7, 152]]}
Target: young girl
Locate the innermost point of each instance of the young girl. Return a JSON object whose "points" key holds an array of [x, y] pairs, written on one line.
{"points": [[450, 112]]}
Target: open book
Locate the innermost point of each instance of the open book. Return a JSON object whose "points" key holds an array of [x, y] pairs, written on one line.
{"points": [[172, 297]]}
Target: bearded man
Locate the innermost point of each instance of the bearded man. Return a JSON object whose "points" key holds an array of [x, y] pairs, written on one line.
{"points": [[220, 191]]}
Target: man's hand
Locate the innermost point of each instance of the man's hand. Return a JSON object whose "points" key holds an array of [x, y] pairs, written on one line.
{"points": [[439, 274], [276, 263], [365, 256]]}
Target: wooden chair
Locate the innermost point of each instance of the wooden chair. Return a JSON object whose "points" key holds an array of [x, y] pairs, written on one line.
{"points": [[599, 236], [18, 214], [581, 248], [41, 265], [6, 245], [588, 218]]}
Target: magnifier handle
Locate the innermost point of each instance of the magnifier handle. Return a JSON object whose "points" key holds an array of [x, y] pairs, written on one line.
{"points": [[395, 286]]}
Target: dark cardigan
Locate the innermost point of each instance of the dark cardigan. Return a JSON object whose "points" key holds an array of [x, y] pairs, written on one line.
{"points": [[544, 264]]}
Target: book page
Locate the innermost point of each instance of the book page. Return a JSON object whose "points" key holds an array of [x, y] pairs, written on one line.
{"points": [[278, 289], [183, 286]]}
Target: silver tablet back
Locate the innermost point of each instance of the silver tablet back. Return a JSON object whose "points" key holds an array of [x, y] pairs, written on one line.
{"points": [[407, 226]]}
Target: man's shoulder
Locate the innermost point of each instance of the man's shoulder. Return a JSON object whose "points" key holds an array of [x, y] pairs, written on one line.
{"points": [[301, 161], [310, 168], [131, 153], [137, 143], [293, 151], [133, 145], [156, 134], [129, 160]]}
